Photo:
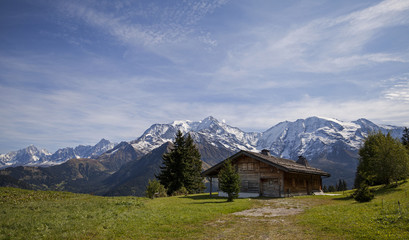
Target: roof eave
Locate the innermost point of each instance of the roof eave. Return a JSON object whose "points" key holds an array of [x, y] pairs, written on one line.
{"points": [[213, 171]]}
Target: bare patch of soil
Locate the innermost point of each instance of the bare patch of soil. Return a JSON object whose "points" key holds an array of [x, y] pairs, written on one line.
{"points": [[270, 219], [269, 212]]}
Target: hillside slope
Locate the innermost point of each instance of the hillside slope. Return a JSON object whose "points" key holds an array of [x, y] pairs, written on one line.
{"points": [[75, 175]]}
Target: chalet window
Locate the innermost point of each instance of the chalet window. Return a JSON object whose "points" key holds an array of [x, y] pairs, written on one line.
{"points": [[247, 167], [250, 166]]}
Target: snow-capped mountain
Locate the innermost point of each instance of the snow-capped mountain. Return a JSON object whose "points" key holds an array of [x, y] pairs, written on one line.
{"points": [[313, 135], [210, 129], [327, 143], [94, 151], [286, 139], [31, 156]]}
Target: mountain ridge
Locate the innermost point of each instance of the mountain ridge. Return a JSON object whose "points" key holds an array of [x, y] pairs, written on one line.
{"points": [[329, 144], [32, 156]]}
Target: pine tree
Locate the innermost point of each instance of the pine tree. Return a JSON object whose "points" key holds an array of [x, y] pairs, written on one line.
{"points": [[181, 167], [193, 181], [229, 181], [344, 184], [331, 188], [405, 137], [363, 194], [171, 174]]}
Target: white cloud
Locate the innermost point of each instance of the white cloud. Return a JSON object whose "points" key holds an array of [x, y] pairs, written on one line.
{"points": [[151, 26], [397, 88], [324, 44], [269, 73]]}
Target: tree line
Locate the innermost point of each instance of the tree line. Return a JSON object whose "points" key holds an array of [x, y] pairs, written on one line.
{"points": [[340, 186]]}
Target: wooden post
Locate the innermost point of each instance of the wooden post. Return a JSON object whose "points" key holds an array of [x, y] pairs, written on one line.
{"points": [[211, 181], [321, 183]]}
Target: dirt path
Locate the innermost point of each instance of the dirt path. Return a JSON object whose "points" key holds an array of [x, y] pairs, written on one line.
{"points": [[270, 219], [274, 208]]}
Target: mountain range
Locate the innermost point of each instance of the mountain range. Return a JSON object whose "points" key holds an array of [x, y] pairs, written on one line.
{"points": [[32, 156], [124, 169]]}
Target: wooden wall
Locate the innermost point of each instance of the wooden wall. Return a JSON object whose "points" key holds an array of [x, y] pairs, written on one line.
{"points": [[248, 170], [258, 177], [301, 184]]}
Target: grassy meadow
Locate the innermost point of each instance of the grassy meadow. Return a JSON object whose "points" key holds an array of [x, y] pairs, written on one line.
{"points": [[60, 215], [385, 217], [28, 214]]}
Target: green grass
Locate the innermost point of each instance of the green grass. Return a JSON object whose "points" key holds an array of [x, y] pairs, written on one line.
{"points": [[59, 215], [344, 218]]}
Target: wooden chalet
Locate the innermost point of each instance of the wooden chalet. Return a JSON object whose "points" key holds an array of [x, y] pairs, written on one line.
{"points": [[264, 175]]}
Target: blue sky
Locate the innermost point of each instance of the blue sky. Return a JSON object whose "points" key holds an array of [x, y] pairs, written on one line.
{"points": [[73, 72]]}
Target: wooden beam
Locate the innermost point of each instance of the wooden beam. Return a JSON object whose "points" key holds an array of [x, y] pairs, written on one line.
{"points": [[211, 185]]}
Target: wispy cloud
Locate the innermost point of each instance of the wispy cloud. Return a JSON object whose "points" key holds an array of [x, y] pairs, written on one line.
{"points": [[152, 25], [112, 68], [397, 88], [325, 44]]}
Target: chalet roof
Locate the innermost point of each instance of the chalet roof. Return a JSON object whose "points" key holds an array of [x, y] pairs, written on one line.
{"points": [[283, 164]]}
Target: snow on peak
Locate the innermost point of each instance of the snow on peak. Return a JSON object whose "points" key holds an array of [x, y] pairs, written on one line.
{"points": [[308, 137], [32, 156], [184, 126]]}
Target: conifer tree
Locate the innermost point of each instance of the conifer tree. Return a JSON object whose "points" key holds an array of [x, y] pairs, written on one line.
{"points": [[193, 181], [229, 181], [331, 188], [181, 167], [344, 183], [405, 138]]}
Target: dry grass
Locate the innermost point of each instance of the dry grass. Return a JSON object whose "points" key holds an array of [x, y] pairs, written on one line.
{"points": [[270, 219]]}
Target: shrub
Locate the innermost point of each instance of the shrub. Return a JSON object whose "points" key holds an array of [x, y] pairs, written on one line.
{"points": [[363, 194], [180, 191], [155, 189]]}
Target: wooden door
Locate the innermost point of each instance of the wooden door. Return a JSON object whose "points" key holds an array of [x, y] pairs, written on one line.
{"points": [[270, 187]]}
